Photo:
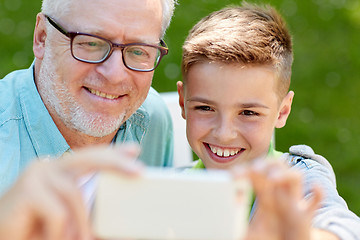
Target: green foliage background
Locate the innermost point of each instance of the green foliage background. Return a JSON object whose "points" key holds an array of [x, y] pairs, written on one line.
{"points": [[326, 71]]}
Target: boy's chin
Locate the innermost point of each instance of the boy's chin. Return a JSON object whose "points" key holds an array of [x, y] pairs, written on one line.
{"points": [[227, 164], [220, 165]]}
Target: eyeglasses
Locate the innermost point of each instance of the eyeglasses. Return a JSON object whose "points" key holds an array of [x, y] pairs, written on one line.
{"points": [[90, 48]]}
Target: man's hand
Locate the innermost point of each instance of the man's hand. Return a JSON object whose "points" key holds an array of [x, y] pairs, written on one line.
{"points": [[46, 202]]}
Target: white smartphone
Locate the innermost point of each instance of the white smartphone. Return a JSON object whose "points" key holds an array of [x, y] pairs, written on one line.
{"points": [[168, 204]]}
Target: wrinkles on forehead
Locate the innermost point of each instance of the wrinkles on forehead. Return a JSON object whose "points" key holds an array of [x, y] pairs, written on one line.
{"points": [[116, 20], [61, 8]]}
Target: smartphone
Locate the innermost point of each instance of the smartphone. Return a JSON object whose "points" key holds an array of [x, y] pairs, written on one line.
{"points": [[169, 204]]}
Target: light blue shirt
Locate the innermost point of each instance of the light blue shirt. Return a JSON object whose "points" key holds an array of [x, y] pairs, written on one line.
{"points": [[27, 130]]}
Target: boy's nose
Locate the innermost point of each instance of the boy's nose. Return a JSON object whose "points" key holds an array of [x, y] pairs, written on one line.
{"points": [[225, 130]]}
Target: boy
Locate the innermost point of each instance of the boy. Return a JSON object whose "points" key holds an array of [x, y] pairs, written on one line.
{"points": [[236, 76]]}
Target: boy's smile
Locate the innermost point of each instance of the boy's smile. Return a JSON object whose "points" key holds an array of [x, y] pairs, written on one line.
{"points": [[231, 111], [223, 154]]}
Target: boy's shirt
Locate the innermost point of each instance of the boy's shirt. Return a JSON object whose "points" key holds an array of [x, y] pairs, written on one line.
{"points": [[333, 215]]}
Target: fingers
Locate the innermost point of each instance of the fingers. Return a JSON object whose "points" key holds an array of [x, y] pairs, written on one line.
{"points": [[70, 211], [63, 184], [102, 158], [48, 205], [314, 202], [282, 211], [46, 202], [268, 174]]}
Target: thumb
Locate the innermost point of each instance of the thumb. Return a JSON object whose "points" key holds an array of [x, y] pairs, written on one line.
{"points": [[119, 158]]}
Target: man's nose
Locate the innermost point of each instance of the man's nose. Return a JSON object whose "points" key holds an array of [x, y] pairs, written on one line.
{"points": [[114, 69]]}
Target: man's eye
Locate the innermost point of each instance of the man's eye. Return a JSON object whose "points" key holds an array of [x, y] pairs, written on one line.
{"points": [[92, 44], [88, 44], [249, 113], [137, 52]]}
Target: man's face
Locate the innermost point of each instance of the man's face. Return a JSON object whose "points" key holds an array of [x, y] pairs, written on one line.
{"points": [[96, 99], [231, 112]]}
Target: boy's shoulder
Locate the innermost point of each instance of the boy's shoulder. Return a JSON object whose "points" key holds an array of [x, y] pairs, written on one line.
{"points": [[304, 155]]}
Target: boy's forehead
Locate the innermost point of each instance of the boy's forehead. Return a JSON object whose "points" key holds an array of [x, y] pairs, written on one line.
{"points": [[234, 68], [238, 71], [222, 74]]}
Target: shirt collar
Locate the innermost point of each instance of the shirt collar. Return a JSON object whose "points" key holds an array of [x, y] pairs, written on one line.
{"points": [[45, 136]]}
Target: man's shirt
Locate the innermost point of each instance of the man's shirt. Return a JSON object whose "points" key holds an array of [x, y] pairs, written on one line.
{"points": [[27, 130]]}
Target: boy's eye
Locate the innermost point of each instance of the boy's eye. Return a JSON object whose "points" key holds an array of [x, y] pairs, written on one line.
{"points": [[249, 113], [203, 108]]}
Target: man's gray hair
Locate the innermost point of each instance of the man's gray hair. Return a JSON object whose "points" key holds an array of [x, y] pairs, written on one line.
{"points": [[58, 8], [168, 7]]}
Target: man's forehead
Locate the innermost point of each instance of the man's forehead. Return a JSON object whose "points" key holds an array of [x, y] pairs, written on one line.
{"points": [[113, 19], [121, 7]]}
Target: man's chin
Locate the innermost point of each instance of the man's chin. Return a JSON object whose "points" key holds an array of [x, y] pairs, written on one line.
{"points": [[97, 127]]}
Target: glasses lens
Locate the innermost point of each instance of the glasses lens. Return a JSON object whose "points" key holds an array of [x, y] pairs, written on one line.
{"points": [[141, 57], [90, 48]]}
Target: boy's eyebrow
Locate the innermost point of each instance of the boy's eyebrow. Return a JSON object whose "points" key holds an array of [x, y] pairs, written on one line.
{"points": [[253, 105], [200, 99], [241, 105]]}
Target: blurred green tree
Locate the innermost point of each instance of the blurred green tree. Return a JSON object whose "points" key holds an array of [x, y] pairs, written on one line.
{"points": [[326, 71]]}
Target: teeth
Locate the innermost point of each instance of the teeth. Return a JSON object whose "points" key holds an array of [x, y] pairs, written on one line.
{"points": [[101, 94], [224, 152]]}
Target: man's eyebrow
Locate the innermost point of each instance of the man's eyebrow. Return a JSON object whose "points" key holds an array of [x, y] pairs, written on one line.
{"points": [[102, 34], [99, 32], [91, 30]]}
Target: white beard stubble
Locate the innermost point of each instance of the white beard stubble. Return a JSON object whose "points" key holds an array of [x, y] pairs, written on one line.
{"points": [[74, 116]]}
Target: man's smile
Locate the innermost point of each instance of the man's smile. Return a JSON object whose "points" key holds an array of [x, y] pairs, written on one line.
{"points": [[102, 94]]}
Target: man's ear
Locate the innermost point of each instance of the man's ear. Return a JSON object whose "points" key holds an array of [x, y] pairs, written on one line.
{"points": [[180, 89], [40, 35], [285, 109]]}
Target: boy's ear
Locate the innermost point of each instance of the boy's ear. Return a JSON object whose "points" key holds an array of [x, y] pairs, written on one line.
{"points": [[39, 36], [285, 109], [180, 89]]}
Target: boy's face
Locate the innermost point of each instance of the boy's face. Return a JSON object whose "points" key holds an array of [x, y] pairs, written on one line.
{"points": [[231, 112]]}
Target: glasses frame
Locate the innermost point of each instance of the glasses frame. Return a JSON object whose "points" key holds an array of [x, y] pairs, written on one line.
{"points": [[71, 35]]}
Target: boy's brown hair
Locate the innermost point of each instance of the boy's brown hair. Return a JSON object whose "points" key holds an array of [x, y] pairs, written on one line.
{"points": [[247, 34]]}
